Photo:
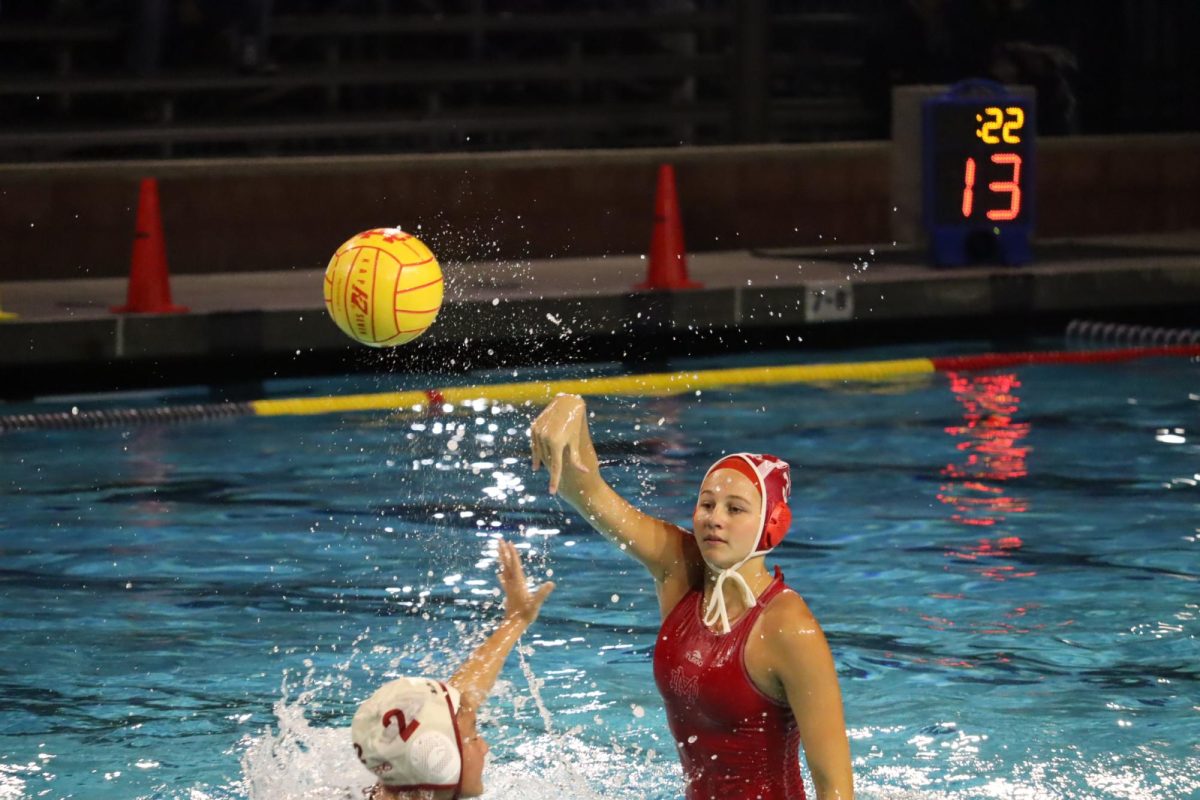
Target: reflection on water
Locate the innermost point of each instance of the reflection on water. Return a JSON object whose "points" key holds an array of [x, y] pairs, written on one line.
{"points": [[977, 489], [991, 455], [989, 444]]}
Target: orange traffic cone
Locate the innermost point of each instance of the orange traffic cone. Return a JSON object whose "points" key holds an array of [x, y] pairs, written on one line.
{"points": [[668, 257], [149, 286]]}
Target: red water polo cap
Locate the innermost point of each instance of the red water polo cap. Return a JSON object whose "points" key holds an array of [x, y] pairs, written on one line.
{"points": [[773, 478]]}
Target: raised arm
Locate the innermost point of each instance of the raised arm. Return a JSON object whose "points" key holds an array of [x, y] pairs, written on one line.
{"points": [[560, 439], [478, 673]]}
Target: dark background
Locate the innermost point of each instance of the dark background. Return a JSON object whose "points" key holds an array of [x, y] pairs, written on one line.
{"points": [[198, 78]]}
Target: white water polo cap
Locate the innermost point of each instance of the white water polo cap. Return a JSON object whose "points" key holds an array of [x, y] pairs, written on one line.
{"points": [[772, 477], [406, 733]]}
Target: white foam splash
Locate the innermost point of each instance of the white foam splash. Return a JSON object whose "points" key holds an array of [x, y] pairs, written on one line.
{"points": [[294, 760], [535, 685], [300, 762], [303, 762]]}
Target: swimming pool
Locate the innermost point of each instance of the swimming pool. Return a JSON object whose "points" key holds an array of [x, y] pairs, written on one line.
{"points": [[1005, 564]]}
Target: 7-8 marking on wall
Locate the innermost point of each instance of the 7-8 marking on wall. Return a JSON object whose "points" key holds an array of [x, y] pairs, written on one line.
{"points": [[828, 301]]}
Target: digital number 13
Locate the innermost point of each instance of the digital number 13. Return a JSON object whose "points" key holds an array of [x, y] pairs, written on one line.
{"points": [[1012, 186]]}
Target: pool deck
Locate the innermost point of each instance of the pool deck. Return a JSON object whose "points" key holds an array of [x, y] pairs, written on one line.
{"points": [[244, 325]]}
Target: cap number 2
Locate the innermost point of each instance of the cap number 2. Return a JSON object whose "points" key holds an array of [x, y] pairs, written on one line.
{"points": [[407, 729]]}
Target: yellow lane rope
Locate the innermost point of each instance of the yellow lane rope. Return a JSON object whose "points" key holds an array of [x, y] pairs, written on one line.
{"points": [[650, 385], [529, 392]]}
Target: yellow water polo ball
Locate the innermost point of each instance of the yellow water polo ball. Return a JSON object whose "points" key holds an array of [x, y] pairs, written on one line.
{"points": [[383, 287]]}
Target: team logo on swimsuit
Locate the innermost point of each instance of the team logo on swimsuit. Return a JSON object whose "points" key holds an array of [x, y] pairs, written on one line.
{"points": [[685, 687], [695, 657]]}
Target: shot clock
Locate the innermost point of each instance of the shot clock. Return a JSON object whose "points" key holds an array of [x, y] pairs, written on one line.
{"points": [[977, 174]]}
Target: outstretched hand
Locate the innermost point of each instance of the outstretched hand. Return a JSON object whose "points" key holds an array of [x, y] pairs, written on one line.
{"points": [[559, 435], [475, 678], [519, 603]]}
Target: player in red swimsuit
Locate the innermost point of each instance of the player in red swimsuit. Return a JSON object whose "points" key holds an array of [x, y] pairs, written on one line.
{"points": [[744, 669]]}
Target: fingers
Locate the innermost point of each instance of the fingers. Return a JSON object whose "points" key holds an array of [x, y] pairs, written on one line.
{"points": [[510, 563], [556, 463], [552, 434], [544, 450], [539, 445], [501, 558], [539, 597], [512, 574], [516, 571], [519, 603], [543, 592], [539, 437]]}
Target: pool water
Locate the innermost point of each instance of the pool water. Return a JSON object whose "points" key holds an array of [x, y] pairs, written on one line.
{"points": [[1005, 565]]}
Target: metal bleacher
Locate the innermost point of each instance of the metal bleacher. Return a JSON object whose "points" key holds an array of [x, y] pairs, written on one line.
{"points": [[440, 75]]}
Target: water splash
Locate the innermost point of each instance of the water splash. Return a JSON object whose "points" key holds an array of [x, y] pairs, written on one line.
{"points": [[300, 761], [535, 684]]}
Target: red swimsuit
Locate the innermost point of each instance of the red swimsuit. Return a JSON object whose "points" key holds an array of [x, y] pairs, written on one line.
{"points": [[734, 741]]}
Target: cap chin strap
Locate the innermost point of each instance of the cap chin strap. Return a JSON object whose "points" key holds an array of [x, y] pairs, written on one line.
{"points": [[716, 611], [457, 741]]}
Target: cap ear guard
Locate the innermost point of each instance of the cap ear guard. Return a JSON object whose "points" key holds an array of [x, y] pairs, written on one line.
{"points": [[776, 526]]}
